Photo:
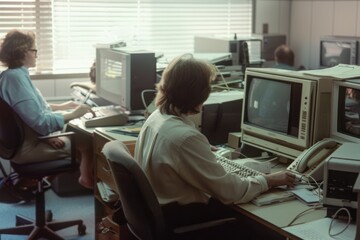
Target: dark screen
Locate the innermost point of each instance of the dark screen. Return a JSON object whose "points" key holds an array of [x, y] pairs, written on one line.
{"points": [[274, 105]]}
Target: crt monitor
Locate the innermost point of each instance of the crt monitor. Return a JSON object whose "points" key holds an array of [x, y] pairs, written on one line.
{"points": [[346, 110], [122, 75], [335, 50], [284, 112]]}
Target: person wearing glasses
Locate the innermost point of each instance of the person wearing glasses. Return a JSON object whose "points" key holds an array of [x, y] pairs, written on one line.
{"points": [[18, 53]]}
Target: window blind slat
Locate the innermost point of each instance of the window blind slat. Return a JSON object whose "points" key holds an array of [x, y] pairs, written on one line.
{"points": [[67, 30]]}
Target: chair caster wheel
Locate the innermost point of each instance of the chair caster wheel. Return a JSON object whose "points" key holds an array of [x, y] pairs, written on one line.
{"points": [[82, 229], [48, 215]]}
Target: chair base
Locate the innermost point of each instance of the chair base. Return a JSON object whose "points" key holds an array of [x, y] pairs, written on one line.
{"points": [[25, 226]]}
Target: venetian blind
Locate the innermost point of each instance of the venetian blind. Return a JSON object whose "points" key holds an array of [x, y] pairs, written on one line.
{"points": [[67, 30], [31, 15]]}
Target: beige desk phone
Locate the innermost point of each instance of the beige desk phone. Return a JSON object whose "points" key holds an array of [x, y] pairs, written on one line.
{"points": [[310, 163]]}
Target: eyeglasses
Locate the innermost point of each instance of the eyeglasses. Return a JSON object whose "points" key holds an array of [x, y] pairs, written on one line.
{"points": [[33, 50]]}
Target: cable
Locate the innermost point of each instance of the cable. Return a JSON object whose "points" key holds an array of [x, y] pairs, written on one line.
{"points": [[143, 96], [222, 77], [305, 212], [334, 217]]}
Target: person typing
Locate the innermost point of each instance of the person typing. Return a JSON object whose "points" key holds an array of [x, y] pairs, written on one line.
{"points": [[178, 160]]}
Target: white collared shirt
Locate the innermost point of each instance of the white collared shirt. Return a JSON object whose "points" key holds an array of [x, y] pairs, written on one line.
{"points": [[181, 167]]}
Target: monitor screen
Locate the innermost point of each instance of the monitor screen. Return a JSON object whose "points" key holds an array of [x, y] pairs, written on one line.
{"points": [[334, 53], [122, 76], [284, 112], [347, 105], [111, 70], [274, 105]]}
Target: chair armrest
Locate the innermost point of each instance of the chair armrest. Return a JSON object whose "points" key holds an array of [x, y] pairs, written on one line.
{"points": [[57, 135]]}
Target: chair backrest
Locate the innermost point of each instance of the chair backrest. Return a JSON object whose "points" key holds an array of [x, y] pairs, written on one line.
{"points": [[140, 205], [11, 134]]}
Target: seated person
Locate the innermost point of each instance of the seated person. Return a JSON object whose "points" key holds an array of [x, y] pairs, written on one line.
{"points": [[284, 58], [178, 159], [18, 53], [88, 85]]}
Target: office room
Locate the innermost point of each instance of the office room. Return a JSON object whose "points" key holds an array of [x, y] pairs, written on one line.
{"points": [[72, 35]]}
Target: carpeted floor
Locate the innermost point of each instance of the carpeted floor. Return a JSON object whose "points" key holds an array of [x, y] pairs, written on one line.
{"points": [[63, 208]]}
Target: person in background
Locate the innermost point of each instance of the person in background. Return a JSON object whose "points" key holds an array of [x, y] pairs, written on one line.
{"points": [[178, 159], [18, 53], [284, 58]]}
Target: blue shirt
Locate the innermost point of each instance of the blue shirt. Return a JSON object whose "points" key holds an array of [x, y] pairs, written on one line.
{"points": [[19, 92]]}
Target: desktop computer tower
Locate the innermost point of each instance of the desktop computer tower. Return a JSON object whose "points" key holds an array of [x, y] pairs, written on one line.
{"points": [[143, 76], [220, 114], [269, 43]]}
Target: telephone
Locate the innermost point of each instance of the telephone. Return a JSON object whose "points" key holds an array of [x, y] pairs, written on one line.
{"points": [[310, 163]]}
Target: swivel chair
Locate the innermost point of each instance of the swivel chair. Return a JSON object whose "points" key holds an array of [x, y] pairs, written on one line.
{"points": [[11, 139], [141, 209]]}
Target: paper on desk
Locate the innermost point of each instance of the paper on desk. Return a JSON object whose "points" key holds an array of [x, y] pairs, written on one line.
{"points": [[341, 71], [319, 229]]}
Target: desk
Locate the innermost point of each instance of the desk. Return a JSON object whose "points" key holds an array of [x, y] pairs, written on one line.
{"points": [[277, 216], [273, 217], [103, 210]]}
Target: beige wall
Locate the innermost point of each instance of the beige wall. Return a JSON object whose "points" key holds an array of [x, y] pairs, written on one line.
{"points": [[305, 21], [312, 19]]}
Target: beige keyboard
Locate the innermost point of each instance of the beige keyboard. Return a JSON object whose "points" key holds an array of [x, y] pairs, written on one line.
{"points": [[233, 167], [105, 116]]}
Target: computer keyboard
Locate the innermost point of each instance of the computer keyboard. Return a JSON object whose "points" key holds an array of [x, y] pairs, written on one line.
{"points": [[233, 167], [105, 116]]}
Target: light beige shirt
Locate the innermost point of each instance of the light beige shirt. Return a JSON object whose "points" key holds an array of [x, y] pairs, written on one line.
{"points": [[181, 167]]}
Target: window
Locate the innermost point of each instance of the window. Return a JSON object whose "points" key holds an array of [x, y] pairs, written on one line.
{"points": [[67, 30]]}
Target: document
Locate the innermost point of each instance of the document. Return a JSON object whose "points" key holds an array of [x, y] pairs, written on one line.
{"points": [[340, 72], [319, 229]]}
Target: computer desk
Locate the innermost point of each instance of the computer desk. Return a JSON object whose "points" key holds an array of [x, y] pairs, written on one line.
{"points": [[277, 216], [273, 217], [103, 210]]}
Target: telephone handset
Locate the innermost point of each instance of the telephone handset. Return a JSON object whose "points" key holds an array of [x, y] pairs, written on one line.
{"points": [[310, 162]]}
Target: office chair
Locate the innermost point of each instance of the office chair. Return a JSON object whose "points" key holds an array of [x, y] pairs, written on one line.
{"points": [[11, 138], [141, 209]]}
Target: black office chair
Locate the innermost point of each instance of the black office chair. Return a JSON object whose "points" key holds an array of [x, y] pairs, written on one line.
{"points": [[11, 138], [140, 206]]}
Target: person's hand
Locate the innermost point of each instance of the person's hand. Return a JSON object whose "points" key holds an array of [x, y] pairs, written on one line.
{"points": [[280, 179], [55, 142], [81, 109], [213, 148], [71, 105]]}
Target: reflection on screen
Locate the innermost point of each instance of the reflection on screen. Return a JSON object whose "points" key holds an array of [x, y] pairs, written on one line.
{"points": [[111, 75], [349, 116], [334, 53]]}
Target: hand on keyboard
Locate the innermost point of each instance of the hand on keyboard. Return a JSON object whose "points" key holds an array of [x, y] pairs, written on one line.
{"points": [[280, 179]]}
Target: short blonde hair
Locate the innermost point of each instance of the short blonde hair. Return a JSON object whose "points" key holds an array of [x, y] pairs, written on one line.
{"points": [[185, 84]]}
